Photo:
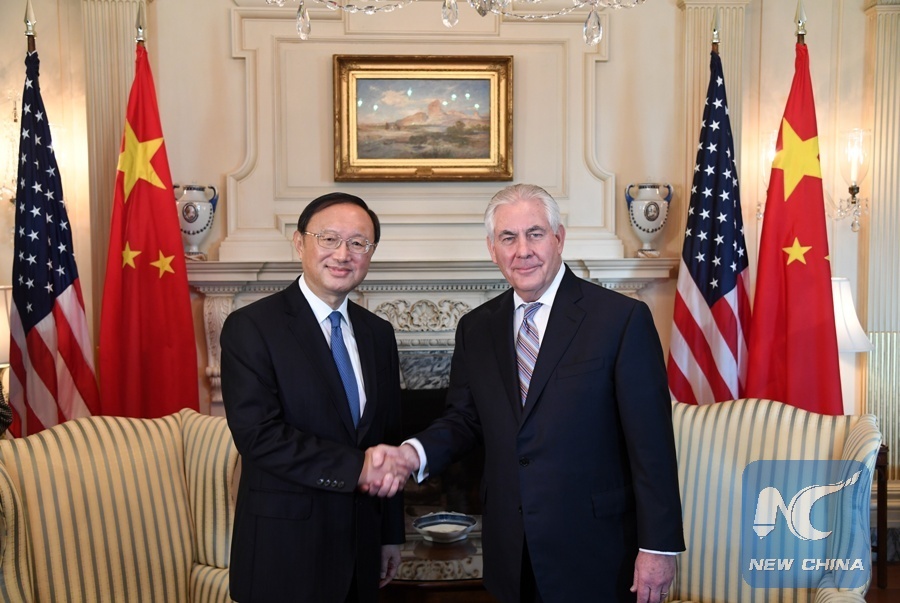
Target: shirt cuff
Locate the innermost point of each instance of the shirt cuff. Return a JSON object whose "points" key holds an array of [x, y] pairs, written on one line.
{"points": [[658, 552], [422, 474]]}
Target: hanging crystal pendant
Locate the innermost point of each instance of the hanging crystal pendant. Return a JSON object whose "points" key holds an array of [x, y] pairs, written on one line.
{"points": [[501, 5], [303, 24], [480, 6], [593, 31], [450, 13]]}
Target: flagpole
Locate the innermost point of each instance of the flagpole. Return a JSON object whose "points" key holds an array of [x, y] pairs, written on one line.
{"points": [[800, 19], [29, 25]]}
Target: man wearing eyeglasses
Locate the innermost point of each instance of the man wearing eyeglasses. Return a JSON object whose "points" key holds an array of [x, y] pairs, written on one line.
{"points": [[310, 382]]}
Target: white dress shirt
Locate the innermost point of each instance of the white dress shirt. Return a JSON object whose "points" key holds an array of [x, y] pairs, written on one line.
{"points": [[322, 311], [541, 318]]}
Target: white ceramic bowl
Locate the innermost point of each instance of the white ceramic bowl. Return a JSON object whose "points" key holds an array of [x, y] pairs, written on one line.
{"points": [[444, 526]]}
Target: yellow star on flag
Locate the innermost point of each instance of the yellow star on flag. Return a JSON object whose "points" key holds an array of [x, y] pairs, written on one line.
{"points": [[128, 255], [798, 158], [134, 161], [163, 263], [796, 252]]}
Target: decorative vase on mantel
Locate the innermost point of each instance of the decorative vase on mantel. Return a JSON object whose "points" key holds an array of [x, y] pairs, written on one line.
{"points": [[196, 209], [648, 209]]}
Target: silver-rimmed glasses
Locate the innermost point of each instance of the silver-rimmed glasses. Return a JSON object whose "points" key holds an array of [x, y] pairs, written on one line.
{"points": [[329, 240]]}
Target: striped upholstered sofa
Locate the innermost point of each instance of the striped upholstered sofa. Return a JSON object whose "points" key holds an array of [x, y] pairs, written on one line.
{"points": [[109, 509], [715, 443]]}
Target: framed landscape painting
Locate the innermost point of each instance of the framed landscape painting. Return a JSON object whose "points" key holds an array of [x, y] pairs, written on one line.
{"points": [[408, 118]]}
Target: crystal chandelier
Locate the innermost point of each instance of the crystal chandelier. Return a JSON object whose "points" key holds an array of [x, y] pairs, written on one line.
{"points": [[593, 31]]}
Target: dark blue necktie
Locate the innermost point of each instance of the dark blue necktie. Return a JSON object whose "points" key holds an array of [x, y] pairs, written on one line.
{"points": [[344, 366]]}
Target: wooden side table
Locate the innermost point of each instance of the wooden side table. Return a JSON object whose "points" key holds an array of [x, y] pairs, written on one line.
{"points": [[880, 548], [438, 573], [459, 591]]}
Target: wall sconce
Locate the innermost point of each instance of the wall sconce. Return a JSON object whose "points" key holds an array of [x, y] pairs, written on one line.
{"points": [[766, 157], [853, 157], [9, 139]]}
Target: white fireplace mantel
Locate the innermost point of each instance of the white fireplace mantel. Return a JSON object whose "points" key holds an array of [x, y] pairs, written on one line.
{"points": [[424, 300]]}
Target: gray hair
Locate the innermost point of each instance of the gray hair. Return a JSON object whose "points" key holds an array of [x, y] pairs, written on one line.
{"points": [[522, 192]]}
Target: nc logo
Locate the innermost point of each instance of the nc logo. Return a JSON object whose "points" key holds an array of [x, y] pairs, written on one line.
{"points": [[797, 512]]}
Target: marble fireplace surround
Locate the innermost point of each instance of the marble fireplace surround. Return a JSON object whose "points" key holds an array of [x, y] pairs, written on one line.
{"points": [[422, 300]]}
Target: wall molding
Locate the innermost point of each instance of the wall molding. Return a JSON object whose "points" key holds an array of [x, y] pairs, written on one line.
{"points": [[287, 160]]}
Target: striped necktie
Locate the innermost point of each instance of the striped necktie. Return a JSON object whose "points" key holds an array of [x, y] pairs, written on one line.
{"points": [[528, 343], [344, 366]]}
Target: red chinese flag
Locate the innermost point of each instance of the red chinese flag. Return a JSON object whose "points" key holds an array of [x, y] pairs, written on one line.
{"points": [[793, 346], [148, 357]]}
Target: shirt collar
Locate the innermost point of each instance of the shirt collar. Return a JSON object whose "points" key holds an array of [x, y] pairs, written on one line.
{"points": [[549, 295], [320, 309]]}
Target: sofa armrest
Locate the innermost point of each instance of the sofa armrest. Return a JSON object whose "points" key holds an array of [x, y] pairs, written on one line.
{"points": [[863, 442], [829, 593], [210, 460], [15, 552], [861, 445]]}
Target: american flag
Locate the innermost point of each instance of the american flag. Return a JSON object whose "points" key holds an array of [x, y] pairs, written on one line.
{"points": [[51, 355], [708, 351]]}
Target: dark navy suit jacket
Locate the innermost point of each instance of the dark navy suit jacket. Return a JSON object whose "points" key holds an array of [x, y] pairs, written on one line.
{"points": [[301, 528]]}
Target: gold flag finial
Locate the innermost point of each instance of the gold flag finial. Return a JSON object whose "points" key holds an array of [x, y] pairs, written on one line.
{"points": [[140, 23], [29, 19], [716, 26], [800, 20], [29, 25]]}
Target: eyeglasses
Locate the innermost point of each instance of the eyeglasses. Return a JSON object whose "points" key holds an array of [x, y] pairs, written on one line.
{"points": [[328, 240]]}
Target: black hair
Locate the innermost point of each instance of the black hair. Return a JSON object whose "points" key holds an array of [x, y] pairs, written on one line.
{"points": [[326, 201]]}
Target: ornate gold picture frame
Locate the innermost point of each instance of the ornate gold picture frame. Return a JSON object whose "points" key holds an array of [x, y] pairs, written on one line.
{"points": [[409, 118]]}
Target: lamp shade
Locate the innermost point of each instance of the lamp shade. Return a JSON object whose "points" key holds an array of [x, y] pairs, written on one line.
{"points": [[850, 334], [5, 305]]}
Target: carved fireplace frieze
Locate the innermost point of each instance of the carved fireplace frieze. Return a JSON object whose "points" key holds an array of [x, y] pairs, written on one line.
{"points": [[422, 300]]}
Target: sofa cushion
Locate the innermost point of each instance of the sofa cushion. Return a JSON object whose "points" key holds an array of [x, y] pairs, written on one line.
{"points": [[209, 584], [105, 504]]}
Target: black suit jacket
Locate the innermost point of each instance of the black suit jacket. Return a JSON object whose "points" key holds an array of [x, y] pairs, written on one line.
{"points": [[586, 472], [300, 527]]}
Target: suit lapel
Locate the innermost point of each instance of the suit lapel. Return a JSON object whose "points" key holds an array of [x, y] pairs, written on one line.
{"points": [[502, 339], [565, 318], [365, 343], [312, 343]]}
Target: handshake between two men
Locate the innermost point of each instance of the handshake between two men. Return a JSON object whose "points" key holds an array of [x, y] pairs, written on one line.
{"points": [[386, 469]]}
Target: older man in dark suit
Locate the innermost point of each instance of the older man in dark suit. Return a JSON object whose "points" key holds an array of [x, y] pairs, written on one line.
{"points": [[565, 384], [310, 382]]}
